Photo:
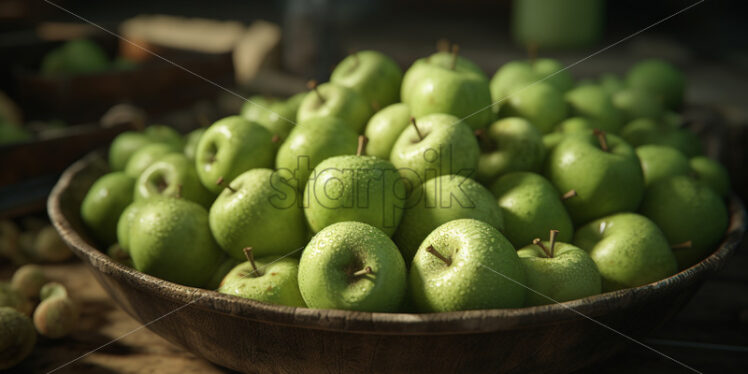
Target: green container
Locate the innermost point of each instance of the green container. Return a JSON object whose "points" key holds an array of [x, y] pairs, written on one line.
{"points": [[557, 24]]}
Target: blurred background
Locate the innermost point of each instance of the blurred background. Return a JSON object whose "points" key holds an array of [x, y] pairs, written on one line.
{"points": [[188, 63], [302, 39]]}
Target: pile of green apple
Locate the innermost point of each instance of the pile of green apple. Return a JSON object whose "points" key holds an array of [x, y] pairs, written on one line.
{"points": [[81, 56], [428, 191]]}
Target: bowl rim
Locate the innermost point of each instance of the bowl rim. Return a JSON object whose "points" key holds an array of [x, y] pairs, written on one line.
{"points": [[458, 322]]}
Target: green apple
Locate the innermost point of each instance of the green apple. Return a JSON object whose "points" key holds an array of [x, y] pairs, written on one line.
{"points": [[592, 102], [294, 102], [173, 175], [230, 147], [47, 246], [573, 125], [647, 131], [17, 338], [164, 134], [252, 109], [510, 77], [637, 103], [121, 63], [146, 156], [517, 75], [711, 173], [440, 200], [124, 146], [373, 75], [693, 217], [558, 272], [125, 221], [275, 115], [191, 141], [119, 255], [540, 103], [672, 119], [384, 128], [509, 144], [661, 79], [659, 162], [11, 133], [271, 280], [553, 72], [437, 144], [258, 209], [354, 188], [28, 280], [611, 83], [603, 170], [576, 125], [78, 56], [10, 297], [531, 207], [312, 142], [10, 113], [551, 140], [10, 235], [588, 82], [334, 100], [53, 63], [104, 203], [466, 264], [170, 239], [226, 264], [686, 141], [443, 58], [444, 83], [628, 249], [352, 266]]}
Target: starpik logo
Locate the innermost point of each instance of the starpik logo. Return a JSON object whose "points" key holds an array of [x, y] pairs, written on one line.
{"points": [[384, 191]]}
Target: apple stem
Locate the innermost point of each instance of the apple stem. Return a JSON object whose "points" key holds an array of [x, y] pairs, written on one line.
{"points": [[442, 45], [203, 120], [569, 194], [220, 182], [364, 271], [484, 141], [179, 191], [455, 52], [275, 138], [356, 60], [532, 51], [430, 249], [685, 245], [415, 125], [602, 139], [312, 85], [362, 140], [251, 258], [553, 241], [138, 124], [540, 244]]}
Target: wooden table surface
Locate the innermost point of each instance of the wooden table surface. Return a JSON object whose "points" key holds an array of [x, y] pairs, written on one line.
{"points": [[101, 321], [709, 334]]}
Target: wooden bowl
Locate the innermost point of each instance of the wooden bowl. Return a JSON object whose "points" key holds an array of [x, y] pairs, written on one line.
{"points": [[155, 85], [250, 336]]}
